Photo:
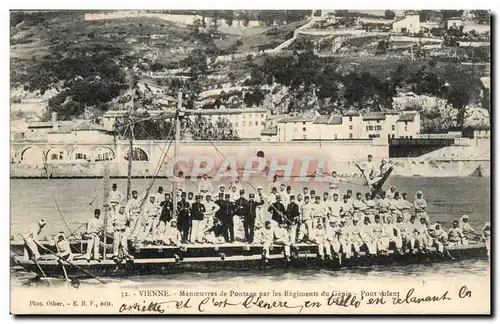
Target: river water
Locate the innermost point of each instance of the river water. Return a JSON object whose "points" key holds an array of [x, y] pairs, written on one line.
{"points": [[447, 199]]}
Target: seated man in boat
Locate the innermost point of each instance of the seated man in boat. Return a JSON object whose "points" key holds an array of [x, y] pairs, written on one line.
{"points": [[370, 207], [31, 240], [384, 206], [265, 236], [346, 210], [359, 206], [368, 239], [333, 232], [438, 236], [354, 234], [172, 236], [422, 235], [320, 238], [205, 186], [394, 234], [63, 247], [455, 235], [115, 197], [420, 205], [411, 233], [335, 206], [381, 236], [466, 229], [281, 238], [118, 223], [93, 234]]}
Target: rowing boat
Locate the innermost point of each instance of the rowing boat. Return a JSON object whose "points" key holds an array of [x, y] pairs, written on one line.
{"points": [[162, 260]]}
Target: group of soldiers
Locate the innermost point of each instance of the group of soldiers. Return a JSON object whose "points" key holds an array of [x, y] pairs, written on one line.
{"points": [[344, 225]]}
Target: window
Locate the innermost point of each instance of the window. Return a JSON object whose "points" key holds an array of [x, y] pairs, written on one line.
{"points": [[378, 121], [263, 123], [303, 129], [350, 118], [406, 128], [243, 116], [367, 128], [80, 156], [236, 124], [406, 123], [393, 128], [378, 127], [303, 123], [53, 156], [350, 135], [256, 123], [261, 115], [350, 127], [244, 123]]}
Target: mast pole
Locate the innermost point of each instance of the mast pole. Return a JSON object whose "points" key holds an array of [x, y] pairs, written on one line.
{"points": [[130, 155], [177, 124], [105, 208]]}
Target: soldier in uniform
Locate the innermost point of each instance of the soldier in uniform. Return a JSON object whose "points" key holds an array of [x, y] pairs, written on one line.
{"points": [[167, 206], [94, 229], [227, 222], [249, 220], [133, 212], [241, 211], [197, 216], [277, 210], [306, 219], [184, 211], [293, 217], [119, 222]]}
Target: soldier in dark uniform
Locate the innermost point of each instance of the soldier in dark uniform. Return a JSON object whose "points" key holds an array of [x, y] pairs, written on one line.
{"points": [[166, 211], [293, 218], [313, 195], [219, 215], [227, 220], [277, 210], [241, 206], [197, 214], [184, 211], [249, 220]]}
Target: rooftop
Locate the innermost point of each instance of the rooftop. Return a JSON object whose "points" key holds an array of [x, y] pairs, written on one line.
{"points": [[374, 116], [407, 117]]}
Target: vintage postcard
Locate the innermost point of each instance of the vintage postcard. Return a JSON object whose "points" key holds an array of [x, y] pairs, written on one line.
{"points": [[250, 162]]}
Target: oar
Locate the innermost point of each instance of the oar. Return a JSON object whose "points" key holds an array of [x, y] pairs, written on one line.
{"points": [[74, 265]]}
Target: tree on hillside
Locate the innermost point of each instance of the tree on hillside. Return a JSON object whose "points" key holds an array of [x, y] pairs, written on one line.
{"points": [[389, 14], [447, 14], [482, 16]]}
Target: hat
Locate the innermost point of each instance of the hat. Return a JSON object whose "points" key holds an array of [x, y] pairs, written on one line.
{"points": [[343, 220], [355, 218], [160, 188], [221, 194], [208, 195], [197, 197], [173, 221], [222, 185], [465, 216], [60, 234], [42, 222], [313, 192], [252, 195], [227, 195], [242, 191], [332, 221], [259, 187], [183, 194], [292, 197]]}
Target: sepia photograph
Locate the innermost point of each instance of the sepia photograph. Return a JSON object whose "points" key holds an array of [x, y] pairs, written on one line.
{"points": [[181, 162]]}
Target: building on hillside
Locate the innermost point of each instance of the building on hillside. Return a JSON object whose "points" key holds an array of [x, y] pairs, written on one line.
{"points": [[350, 125], [247, 122], [455, 22], [409, 24]]}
